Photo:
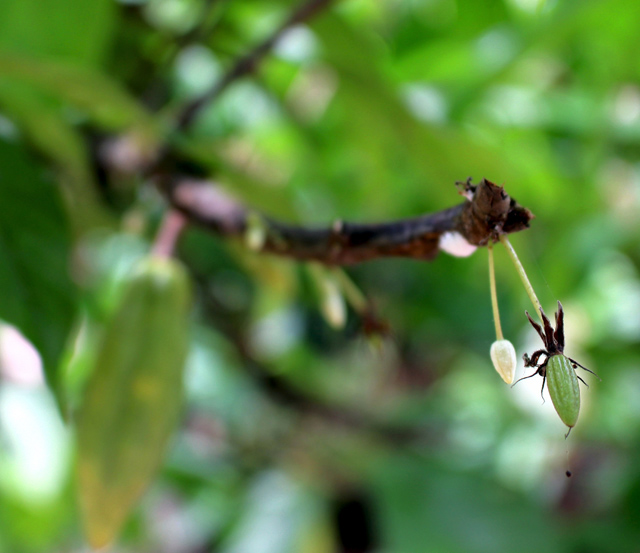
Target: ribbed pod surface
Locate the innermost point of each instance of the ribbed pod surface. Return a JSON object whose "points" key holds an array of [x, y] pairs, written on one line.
{"points": [[563, 389], [133, 397]]}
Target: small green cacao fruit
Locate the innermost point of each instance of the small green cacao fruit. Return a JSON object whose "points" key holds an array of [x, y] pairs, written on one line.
{"points": [[133, 398], [563, 389], [503, 357]]}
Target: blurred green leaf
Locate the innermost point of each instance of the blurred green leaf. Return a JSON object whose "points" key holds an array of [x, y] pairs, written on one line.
{"points": [[422, 506], [103, 99], [37, 296], [385, 130], [278, 516], [68, 29], [60, 142]]}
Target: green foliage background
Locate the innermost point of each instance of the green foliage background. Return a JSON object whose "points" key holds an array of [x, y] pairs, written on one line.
{"points": [[370, 111]]}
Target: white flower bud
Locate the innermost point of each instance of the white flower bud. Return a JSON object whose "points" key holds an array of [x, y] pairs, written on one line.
{"points": [[503, 357]]}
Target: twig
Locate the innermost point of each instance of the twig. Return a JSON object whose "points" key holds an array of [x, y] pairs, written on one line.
{"points": [[487, 213], [247, 63]]}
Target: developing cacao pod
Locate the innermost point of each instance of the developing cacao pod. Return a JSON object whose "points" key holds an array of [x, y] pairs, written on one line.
{"points": [[557, 368], [133, 398], [562, 383]]}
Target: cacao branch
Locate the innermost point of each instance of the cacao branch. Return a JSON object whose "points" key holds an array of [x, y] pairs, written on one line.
{"points": [[487, 212]]}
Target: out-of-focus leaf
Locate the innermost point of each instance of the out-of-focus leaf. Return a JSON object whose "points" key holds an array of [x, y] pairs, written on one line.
{"points": [[424, 507], [278, 516], [384, 129], [31, 91], [44, 128], [442, 61], [69, 29], [37, 292], [60, 142], [101, 98], [40, 522]]}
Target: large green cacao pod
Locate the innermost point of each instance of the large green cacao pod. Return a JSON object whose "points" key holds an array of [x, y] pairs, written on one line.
{"points": [[133, 398]]}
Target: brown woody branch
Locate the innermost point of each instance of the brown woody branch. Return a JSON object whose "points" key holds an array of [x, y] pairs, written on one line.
{"points": [[487, 212]]}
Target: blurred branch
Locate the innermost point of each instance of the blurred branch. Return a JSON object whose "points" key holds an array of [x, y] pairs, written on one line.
{"points": [[247, 63], [487, 212], [279, 390]]}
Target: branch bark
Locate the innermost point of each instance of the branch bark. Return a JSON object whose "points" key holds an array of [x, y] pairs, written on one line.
{"points": [[487, 212]]}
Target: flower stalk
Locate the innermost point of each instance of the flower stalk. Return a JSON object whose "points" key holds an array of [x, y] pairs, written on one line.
{"points": [[502, 353], [522, 274], [494, 295]]}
